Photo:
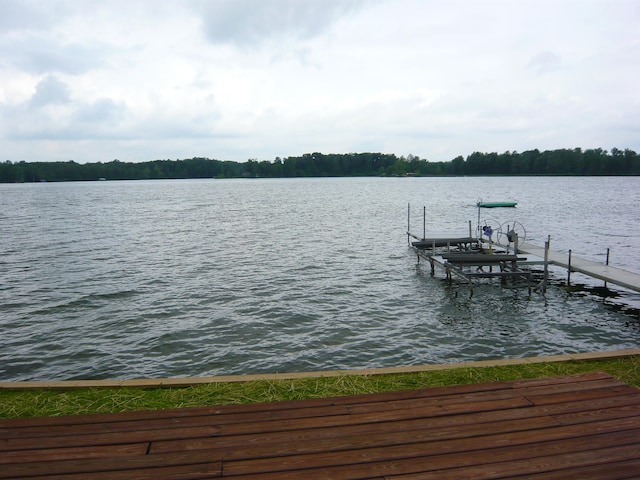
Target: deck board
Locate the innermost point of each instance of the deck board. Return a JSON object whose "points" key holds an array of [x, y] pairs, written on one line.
{"points": [[577, 426], [608, 273]]}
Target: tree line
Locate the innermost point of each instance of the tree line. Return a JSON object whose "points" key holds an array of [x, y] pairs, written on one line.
{"points": [[531, 162]]}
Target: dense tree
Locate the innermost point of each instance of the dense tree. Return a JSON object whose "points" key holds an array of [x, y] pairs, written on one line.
{"points": [[532, 162]]}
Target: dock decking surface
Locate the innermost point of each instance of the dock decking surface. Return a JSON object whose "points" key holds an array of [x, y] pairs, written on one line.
{"points": [[579, 426], [597, 270]]}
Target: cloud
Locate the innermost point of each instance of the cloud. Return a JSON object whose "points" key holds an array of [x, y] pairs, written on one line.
{"points": [[35, 37], [103, 111], [544, 62], [39, 54], [50, 90], [18, 15], [238, 79], [53, 114], [249, 23]]}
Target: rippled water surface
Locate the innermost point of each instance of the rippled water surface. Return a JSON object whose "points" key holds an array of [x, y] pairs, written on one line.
{"points": [[208, 277]]}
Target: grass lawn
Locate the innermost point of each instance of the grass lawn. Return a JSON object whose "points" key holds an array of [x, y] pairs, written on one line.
{"points": [[30, 403]]}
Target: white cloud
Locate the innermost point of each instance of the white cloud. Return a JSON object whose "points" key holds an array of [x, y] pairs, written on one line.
{"points": [[142, 79], [249, 23], [102, 111], [39, 55], [544, 62], [50, 90], [18, 15]]}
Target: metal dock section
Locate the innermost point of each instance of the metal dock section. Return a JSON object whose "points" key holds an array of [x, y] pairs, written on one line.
{"points": [[463, 257], [601, 271], [469, 266]]}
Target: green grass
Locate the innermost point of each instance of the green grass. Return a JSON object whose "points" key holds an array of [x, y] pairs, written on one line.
{"points": [[30, 403]]}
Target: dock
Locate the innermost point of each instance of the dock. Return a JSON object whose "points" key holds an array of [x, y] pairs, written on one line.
{"points": [[442, 249], [575, 426], [464, 258], [601, 271]]}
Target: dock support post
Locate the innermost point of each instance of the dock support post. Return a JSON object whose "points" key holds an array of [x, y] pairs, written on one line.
{"points": [[408, 223], [424, 222], [605, 283], [547, 245], [569, 270]]}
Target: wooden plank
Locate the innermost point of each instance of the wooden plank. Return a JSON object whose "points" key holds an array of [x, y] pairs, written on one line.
{"points": [[480, 258], [151, 432], [179, 472], [378, 416], [599, 409], [612, 470], [364, 439], [441, 447], [562, 397], [167, 422], [110, 438], [428, 243], [538, 394], [91, 465], [454, 462], [74, 453], [563, 466]]}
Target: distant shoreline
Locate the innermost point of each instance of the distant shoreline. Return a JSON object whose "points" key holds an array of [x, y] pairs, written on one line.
{"points": [[560, 162]]}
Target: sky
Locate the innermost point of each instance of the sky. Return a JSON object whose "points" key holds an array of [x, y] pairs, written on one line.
{"points": [[142, 80]]}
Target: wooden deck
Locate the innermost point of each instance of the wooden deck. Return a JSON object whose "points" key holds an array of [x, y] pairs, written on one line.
{"points": [[581, 426]]}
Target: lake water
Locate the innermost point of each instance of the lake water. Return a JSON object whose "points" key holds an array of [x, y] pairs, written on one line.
{"points": [[209, 277]]}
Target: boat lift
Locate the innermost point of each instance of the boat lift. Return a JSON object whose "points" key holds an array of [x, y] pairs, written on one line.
{"points": [[458, 255], [465, 256]]}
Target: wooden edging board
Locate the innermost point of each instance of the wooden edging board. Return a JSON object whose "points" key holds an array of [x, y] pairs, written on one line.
{"points": [[190, 381]]}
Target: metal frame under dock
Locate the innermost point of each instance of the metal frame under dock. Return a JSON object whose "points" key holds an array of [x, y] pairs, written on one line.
{"points": [[463, 257], [468, 261]]}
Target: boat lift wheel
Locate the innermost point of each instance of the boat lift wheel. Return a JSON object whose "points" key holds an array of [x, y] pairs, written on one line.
{"points": [[506, 227]]}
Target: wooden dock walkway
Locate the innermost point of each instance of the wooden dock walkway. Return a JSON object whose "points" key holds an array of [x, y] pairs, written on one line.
{"points": [[578, 426], [597, 270]]}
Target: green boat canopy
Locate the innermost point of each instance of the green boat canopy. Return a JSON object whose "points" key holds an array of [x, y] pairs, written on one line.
{"points": [[482, 204]]}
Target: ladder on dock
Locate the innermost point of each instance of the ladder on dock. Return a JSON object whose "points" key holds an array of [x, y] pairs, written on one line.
{"points": [[607, 273]]}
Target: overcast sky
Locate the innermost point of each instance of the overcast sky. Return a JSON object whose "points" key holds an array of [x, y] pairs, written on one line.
{"points": [[138, 80]]}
